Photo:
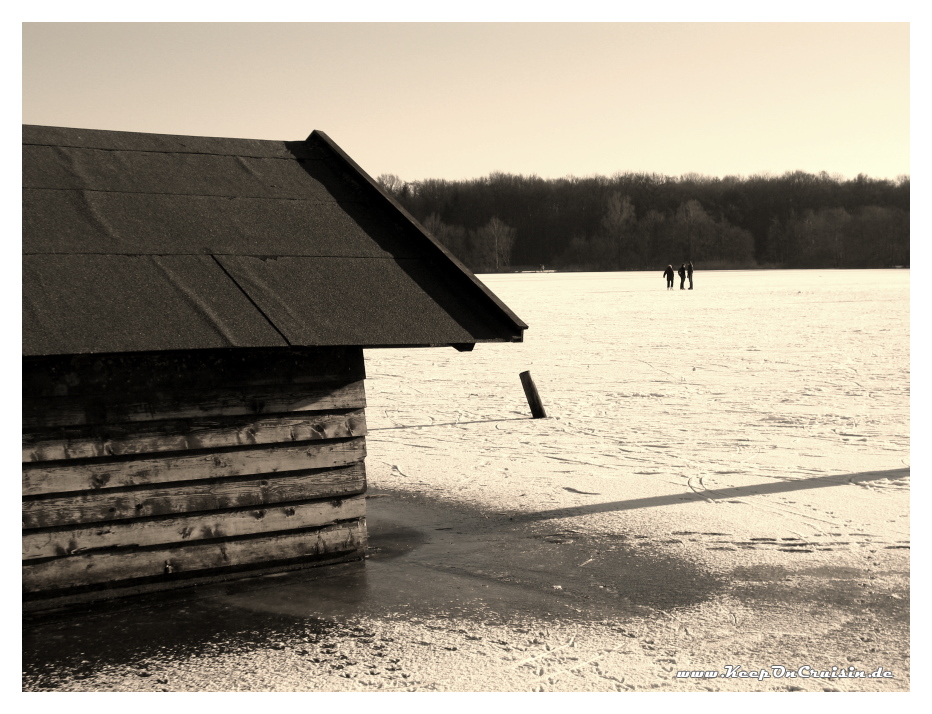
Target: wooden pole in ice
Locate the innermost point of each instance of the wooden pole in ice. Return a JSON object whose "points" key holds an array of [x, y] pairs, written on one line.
{"points": [[533, 398]]}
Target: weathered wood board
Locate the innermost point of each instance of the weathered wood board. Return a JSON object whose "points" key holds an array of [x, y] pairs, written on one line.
{"points": [[113, 567], [39, 412], [108, 505], [93, 441], [190, 528], [92, 475]]}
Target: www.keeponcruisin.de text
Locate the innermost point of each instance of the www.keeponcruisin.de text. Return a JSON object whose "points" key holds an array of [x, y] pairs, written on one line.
{"points": [[781, 672]]}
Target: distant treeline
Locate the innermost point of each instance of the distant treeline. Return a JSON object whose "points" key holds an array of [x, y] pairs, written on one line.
{"points": [[637, 221]]}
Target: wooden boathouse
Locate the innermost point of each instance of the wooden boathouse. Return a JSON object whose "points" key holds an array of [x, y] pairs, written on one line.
{"points": [[194, 317]]}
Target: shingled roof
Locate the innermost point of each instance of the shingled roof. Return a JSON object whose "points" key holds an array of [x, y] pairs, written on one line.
{"points": [[146, 242]]}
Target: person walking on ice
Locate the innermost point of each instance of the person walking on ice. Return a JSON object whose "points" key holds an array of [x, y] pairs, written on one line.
{"points": [[668, 274], [682, 272], [689, 273]]}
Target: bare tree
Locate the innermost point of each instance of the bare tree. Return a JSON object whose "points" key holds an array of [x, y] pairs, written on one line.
{"points": [[493, 243], [392, 184]]}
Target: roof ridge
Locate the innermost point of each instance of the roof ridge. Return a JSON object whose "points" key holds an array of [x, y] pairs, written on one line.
{"points": [[176, 151]]}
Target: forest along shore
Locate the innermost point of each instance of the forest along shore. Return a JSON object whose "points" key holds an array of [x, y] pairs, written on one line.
{"points": [[639, 221]]}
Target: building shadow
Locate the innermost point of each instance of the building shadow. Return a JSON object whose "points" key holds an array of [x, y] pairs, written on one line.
{"points": [[719, 495]]}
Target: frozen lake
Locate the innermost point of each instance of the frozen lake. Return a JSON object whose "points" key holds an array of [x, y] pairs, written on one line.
{"points": [[757, 374], [723, 479]]}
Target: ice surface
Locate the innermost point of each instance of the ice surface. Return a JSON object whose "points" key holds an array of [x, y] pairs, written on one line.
{"points": [[754, 378]]}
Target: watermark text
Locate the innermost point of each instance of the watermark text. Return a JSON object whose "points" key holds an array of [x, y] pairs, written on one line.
{"points": [[776, 671]]}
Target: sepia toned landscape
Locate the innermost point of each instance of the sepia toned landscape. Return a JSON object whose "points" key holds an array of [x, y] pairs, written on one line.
{"points": [[484, 351]]}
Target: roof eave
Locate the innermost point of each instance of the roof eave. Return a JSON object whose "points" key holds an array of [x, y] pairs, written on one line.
{"points": [[508, 316]]}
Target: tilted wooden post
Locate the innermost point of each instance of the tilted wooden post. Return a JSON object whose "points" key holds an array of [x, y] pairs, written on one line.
{"points": [[533, 398]]}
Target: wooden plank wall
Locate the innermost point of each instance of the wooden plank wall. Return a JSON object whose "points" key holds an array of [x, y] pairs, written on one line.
{"points": [[143, 472]]}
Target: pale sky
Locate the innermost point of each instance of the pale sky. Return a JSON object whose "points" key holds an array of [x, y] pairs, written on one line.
{"points": [[461, 100]]}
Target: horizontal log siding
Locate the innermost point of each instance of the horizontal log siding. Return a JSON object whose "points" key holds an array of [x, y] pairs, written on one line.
{"points": [[190, 528], [172, 563], [91, 441], [41, 412], [108, 505], [94, 474], [160, 469]]}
